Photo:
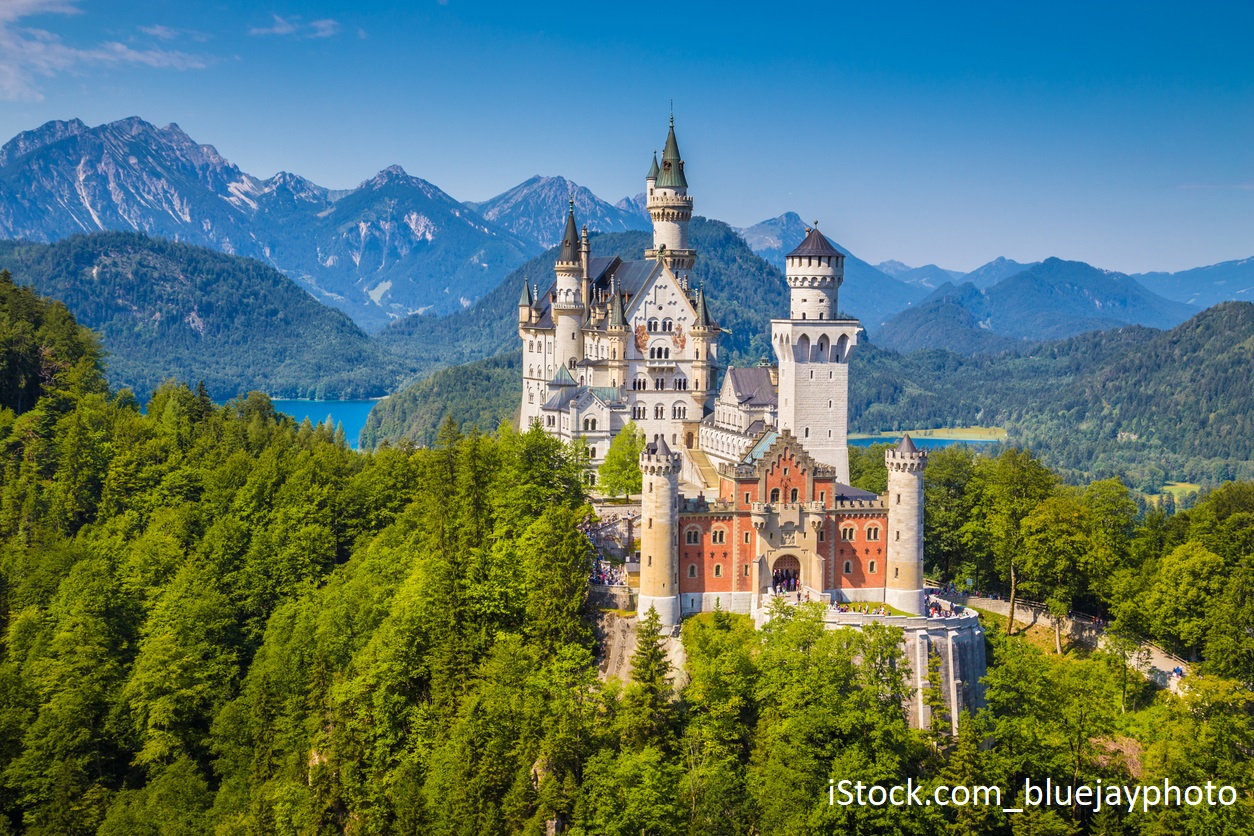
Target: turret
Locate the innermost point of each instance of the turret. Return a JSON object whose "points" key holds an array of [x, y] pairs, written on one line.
{"points": [[568, 302], [904, 583], [670, 207], [704, 334], [524, 304], [659, 539], [813, 347]]}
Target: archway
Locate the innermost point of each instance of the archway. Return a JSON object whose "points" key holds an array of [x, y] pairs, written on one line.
{"points": [[786, 574]]}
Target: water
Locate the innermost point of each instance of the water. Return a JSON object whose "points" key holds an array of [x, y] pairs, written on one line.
{"points": [[924, 442], [352, 414]]}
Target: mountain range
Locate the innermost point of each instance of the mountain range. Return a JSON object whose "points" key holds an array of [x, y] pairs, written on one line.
{"points": [[535, 211], [1052, 300]]}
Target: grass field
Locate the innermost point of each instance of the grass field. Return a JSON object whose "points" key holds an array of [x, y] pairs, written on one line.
{"points": [[945, 433], [1181, 489]]}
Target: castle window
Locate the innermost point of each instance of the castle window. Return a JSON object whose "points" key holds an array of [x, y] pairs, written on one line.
{"points": [[898, 535], [718, 570], [806, 434], [823, 496], [848, 567], [895, 571], [531, 397], [746, 537], [812, 374], [531, 346], [873, 533], [822, 535], [871, 567], [692, 570], [679, 411], [792, 495], [667, 325], [692, 536], [898, 499], [718, 535], [652, 326], [592, 453], [659, 383], [552, 421], [774, 494], [746, 498], [847, 533], [639, 411], [659, 412]]}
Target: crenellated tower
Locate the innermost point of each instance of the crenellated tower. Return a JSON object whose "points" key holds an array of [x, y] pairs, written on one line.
{"points": [[659, 537], [670, 207], [813, 347], [568, 297], [904, 584]]}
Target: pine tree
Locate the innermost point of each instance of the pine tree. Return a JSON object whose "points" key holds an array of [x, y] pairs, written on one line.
{"points": [[647, 709]]}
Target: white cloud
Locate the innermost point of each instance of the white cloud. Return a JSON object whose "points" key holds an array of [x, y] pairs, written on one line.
{"points": [[28, 54], [294, 26]]}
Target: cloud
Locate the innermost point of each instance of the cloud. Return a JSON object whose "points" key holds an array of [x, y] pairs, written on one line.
{"points": [[295, 27], [28, 54], [168, 33]]}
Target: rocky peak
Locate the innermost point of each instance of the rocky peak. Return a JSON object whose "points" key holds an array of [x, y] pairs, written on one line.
{"points": [[41, 137]]}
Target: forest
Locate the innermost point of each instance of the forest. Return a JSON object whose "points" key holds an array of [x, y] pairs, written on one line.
{"points": [[217, 621]]}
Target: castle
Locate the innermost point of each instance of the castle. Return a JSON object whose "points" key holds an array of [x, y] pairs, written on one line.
{"points": [[611, 342]]}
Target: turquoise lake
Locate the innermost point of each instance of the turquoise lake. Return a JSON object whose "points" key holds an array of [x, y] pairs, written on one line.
{"points": [[352, 414], [923, 443]]}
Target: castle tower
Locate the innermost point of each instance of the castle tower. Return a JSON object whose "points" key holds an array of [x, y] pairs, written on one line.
{"points": [[525, 302], [568, 301], [616, 328], [904, 585], [813, 347], [670, 207], [704, 334], [659, 538]]}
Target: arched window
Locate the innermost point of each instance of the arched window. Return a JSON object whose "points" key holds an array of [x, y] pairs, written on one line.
{"points": [[774, 494], [667, 325], [531, 346], [692, 570], [666, 353], [848, 567], [659, 412], [718, 535], [652, 326], [692, 536], [679, 411], [802, 351], [871, 568], [592, 452], [792, 495], [873, 533], [847, 533], [639, 411], [718, 570]]}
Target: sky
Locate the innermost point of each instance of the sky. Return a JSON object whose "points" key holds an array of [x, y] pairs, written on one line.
{"points": [[1121, 134]]}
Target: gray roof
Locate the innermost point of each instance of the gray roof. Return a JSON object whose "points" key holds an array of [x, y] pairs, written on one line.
{"points": [[653, 169], [815, 243], [704, 320], [570, 238], [525, 300], [659, 448], [752, 386], [906, 445], [562, 378]]}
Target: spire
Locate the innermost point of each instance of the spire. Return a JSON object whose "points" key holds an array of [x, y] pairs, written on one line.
{"points": [[617, 319], [653, 169], [570, 238], [906, 445], [661, 448], [704, 320], [525, 301], [672, 174], [815, 243]]}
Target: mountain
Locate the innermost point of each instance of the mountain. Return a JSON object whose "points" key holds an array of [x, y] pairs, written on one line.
{"points": [[928, 276], [867, 293], [395, 245], [535, 211], [1053, 300], [635, 206], [995, 271], [172, 310], [1205, 286]]}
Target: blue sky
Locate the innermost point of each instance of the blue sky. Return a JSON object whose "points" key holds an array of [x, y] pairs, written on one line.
{"points": [[1121, 134]]}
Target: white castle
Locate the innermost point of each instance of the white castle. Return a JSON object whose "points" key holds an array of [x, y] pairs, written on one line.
{"points": [[764, 459]]}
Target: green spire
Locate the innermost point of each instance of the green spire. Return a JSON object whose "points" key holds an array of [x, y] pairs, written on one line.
{"points": [[672, 174], [570, 238], [617, 319], [525, 300], [704, 320], [653, 169]]}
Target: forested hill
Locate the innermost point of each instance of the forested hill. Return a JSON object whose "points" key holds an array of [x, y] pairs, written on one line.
{"points": [[1152, 405], [168, 310]]}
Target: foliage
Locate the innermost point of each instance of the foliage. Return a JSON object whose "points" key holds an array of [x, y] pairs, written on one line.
{"points": [[620, 471]]}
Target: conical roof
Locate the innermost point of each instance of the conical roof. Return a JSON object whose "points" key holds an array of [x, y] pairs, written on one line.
{"points": [[906, 445], [617, 318], [525, 299], [815, 243], [653, 169], [704, 320], [672, 174], [570, 238], [562, 378], [660, 448]]}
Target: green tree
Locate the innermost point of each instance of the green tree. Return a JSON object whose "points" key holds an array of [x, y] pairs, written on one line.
{"points": [[620, 472], [648, 713], [1055, 554]]}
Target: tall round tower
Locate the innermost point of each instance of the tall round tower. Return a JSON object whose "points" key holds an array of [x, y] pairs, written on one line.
{"points": [[659, 545], [568, 304], [904, 586], [815, 272], [670, 207]]}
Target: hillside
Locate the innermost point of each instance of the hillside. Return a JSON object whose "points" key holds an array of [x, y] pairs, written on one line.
{"points": [[1205, 286], [1053, 300], [535, 211], [168, 310], [395, 245]]}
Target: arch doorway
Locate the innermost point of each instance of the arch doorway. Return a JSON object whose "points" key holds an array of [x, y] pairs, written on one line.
{"points": [[786, 574]]}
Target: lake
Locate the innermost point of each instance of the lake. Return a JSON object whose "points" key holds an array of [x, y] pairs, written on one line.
{"points": [[352, 414], [924, 443]]}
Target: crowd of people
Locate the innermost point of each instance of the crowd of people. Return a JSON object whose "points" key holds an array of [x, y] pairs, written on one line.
{"points": [[607, 574], [784, 580], [866, 609]]}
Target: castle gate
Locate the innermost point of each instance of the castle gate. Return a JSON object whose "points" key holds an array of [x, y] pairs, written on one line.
{"points": [[786, 572]]}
